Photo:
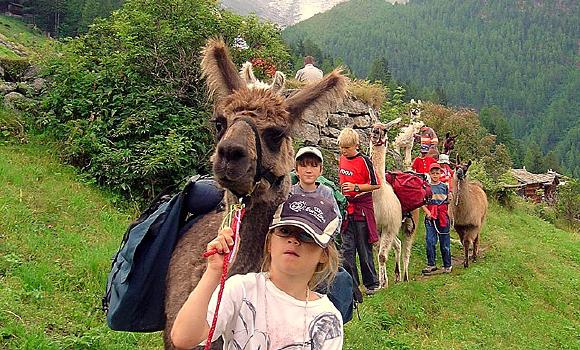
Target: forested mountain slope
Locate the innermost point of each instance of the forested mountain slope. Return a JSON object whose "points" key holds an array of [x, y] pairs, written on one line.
{"points": [[519, 55]]}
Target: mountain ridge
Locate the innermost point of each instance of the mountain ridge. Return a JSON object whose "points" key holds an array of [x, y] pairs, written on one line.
{"points": [[285, 12]]}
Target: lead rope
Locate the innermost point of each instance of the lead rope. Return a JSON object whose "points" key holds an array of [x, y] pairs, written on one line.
{"points": [[233, 219]]}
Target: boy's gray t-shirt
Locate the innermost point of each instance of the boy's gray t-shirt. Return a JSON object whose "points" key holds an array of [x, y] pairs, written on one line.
{"points": [[321, 190]]}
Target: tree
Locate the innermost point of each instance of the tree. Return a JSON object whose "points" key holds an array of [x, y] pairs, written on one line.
{"points": [[534, 159], [379, 71]]}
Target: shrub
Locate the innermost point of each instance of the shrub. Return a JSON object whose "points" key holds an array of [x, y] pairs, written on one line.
{"points": [[568, 202], [127, 101]]}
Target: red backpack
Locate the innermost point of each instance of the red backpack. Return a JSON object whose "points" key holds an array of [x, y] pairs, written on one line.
{"points": [[412, 189]]}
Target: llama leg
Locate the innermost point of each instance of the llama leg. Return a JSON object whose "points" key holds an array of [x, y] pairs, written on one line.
{"points": [[476, 246], [408, 157], [410, 230], [466, 242], [397, 244], [384, 247]]}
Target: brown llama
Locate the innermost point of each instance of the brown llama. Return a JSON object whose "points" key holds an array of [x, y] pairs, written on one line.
{"points": [[252, 161], [387, 207], [467, 209], [386, 204], [449, 144]]}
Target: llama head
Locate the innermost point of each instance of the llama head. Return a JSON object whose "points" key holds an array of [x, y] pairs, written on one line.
{"points": [[449, 144], [461, 168], [253, 125], [415, 110], [247, 75], [379, 136]]}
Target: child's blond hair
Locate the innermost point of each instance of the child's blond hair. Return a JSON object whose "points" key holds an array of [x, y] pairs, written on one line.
{"points": [[348, 138], [324, 273]]}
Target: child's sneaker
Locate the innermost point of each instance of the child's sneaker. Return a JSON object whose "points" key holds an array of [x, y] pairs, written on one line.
{"points": [[372, 291], [447, 269], [429, 269]]}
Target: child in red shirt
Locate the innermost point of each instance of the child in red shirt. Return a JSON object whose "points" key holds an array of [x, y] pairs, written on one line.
{"points": [[358, 179], [422, 163], [446, 171]]}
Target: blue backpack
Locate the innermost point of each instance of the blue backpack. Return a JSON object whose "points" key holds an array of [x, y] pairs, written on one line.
{"points": [[134, 300]]}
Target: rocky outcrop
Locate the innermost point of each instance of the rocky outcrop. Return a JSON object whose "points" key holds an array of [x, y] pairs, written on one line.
{"points": [[24, 92], [322, 128]]}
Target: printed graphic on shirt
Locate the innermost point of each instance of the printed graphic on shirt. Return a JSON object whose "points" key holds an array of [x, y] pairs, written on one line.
{"points": [[326, 326]]}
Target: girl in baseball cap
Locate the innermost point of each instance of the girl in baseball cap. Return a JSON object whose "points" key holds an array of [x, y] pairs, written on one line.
{"points": [[278, 307]]}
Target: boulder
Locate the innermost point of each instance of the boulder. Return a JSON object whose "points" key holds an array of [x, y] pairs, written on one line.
{"points": [[7, 87], [353, 106], [315, 118], [38, 85], [309, 133], [340, 121], [13, 99], [362, 121], [330, 131], [328, 143]]}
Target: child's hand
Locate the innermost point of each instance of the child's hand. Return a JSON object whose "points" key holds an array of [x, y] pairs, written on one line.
{"points": [[222, 244]]}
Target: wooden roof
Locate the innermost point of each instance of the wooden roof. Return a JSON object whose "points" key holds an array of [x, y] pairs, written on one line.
{"points": [[525, 177]]}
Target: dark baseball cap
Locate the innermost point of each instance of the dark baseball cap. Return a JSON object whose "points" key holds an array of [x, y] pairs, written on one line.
{"points": [[312, 213]]}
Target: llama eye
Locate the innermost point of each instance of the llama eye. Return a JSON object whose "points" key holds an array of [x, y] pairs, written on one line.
{"points": [[273, 137], [220, 124]]}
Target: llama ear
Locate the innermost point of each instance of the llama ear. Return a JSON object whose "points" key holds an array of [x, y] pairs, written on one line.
{"points": [[218, 69], [247, 73], [457, 159], [278, 82], [469, 163], [324, 93], [447, 135]]}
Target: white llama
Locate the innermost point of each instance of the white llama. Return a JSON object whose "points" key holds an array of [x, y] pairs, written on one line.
{"points": [[387, 207]]}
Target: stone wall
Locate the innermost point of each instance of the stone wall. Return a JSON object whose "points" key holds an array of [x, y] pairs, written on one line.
{"points": [[322, 129]]}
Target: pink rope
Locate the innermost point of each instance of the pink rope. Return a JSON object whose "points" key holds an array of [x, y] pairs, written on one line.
{"points": [[235, 226]]}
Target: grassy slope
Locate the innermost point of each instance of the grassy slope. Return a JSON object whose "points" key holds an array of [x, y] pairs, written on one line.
{"points": [[56, 240], [58, 234], [20, 34]]}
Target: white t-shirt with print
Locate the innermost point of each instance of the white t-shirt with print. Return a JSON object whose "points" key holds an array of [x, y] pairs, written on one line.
{"points": [[242, 317]]}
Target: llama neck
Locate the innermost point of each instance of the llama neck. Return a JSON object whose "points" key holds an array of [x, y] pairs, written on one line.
{"points": [[378, 154], [378, 158], [260, 209], [460, 189]]}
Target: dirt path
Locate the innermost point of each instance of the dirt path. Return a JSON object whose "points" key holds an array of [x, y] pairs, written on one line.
{"points": [[457, 261]]}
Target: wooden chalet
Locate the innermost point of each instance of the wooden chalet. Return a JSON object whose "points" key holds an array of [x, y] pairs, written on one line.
{"points": [[536, 187]]}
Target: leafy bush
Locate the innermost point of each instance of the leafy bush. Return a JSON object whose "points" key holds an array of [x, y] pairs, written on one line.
{"points": [[127, 101], [568, 202]]}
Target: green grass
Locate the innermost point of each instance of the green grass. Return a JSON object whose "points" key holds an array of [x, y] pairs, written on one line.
{"points": [[19, 33], [57, 235]]}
